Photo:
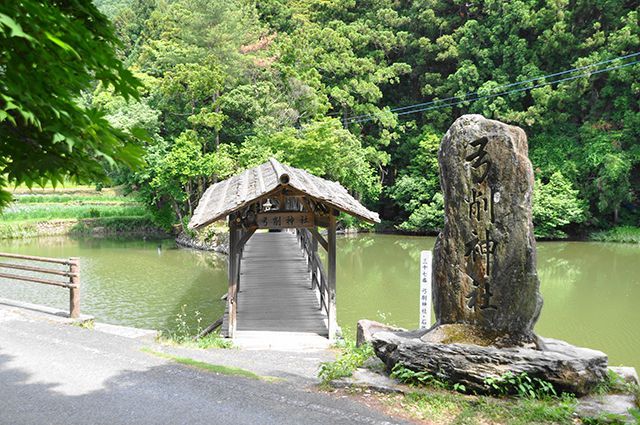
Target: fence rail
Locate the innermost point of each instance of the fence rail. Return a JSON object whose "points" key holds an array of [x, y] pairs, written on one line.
{"points": [[318, 279], [70, 275]]}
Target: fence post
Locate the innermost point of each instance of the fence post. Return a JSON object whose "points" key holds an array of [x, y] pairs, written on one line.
{"points": [[74, 295]]}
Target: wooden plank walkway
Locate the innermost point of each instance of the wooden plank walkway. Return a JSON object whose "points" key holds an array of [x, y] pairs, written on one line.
{"points": [[275, 290]]}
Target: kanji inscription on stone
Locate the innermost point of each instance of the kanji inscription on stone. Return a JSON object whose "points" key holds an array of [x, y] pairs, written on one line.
{"points": [[484, 259]]}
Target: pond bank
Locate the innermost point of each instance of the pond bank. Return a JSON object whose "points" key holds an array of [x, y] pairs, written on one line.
{"points": [[100, 227], [75, 211]]}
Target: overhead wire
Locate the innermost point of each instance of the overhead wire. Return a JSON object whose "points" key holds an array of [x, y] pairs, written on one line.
{"points": [[463, 98]]}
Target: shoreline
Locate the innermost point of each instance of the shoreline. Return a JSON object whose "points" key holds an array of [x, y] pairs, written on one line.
{"points": [[215, 240]]}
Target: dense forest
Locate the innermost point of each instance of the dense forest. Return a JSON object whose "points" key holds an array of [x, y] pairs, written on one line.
{"points": [[362, 92]]}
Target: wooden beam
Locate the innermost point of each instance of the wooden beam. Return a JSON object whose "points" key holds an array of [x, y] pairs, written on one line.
{"points": [[35, 280], [331, 276], [232, 291], [317, 237], [245, 237], [212, 327], [322, 221], [34, 269]]}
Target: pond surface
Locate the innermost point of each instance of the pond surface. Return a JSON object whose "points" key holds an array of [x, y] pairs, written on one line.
{"points": [[591, 290]]}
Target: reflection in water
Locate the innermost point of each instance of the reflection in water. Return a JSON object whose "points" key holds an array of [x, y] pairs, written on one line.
{"points": [[591, 290]]}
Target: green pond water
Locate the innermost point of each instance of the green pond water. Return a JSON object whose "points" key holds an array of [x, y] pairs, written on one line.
{"points": [[591, 290]]}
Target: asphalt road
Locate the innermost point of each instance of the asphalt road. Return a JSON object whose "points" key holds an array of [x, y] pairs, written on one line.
{"points": [[60, 374]]}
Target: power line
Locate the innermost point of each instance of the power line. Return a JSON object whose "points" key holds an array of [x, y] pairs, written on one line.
{"points": [[506, 85], [370, 117]]}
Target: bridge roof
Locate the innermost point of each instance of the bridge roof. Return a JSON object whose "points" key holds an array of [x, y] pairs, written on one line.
{"points": [[235, 193]]}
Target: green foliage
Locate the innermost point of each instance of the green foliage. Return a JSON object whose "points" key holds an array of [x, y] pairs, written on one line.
{"points": [[520, 384], [42, 211], [51, 51], [323, 148], [183, 333], [412, 377], [423, 378], [555, 206], [615, 384], [228, 84], [427, 216], [348, 361], [417, 190]]}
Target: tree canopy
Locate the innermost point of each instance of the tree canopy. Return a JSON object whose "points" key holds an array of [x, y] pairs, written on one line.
{"points": [[51, 52], [330, 86]]}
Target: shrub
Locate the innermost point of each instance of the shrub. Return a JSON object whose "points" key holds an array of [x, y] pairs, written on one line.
{"points": [[521, 384], [556, 205], [350, 359]]}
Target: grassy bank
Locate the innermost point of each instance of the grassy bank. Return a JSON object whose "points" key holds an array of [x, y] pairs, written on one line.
{"points": [[513, 399], [625, 234], [73, 210]]}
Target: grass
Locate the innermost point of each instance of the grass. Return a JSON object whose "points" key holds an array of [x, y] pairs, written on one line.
{"points": [[625, 234], [184, 333], [73, 210], [213, 368], [446, 407], [84, 324], [212, 340], [350, 358], [53, 211], [79, 199]]}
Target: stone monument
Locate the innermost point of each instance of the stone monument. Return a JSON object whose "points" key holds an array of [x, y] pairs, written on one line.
{"points": [[485, 285], [485, 257]]}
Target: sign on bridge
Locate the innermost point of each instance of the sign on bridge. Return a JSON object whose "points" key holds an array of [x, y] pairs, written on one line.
{"points": [[284, 220]]}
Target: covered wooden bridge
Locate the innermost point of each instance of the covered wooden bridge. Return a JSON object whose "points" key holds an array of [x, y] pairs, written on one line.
{"points": [[277, 281]]}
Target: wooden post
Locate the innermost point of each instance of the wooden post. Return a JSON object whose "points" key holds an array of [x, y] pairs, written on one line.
{"points": [[232, 292], [331, 257], [238, 252], [74, 294], [312, 264]]}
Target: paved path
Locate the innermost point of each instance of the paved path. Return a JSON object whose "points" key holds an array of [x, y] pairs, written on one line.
{"points": [[52, 373]]}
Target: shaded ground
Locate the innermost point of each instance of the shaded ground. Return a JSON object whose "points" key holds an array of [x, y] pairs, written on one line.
{"points": [[60, 374]]}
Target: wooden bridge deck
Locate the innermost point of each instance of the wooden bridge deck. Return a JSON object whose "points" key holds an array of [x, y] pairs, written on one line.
{"points": [[275, 289]]}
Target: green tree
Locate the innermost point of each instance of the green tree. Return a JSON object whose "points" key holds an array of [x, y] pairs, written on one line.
{"points": [[416, 190], [51, 52], [556, 205], [323, 148]]}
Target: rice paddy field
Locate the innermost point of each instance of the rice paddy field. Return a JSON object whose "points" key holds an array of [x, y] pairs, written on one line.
{"points": [[72, 204]]}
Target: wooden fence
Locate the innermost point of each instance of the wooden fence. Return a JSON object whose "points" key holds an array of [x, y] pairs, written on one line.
{"points": [[309, 246], [67, 277]]}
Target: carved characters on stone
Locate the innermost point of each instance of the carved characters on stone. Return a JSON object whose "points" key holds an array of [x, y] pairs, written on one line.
{"points": [[484, 270]]}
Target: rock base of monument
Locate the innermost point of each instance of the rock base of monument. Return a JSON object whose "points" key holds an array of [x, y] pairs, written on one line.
{"points": [[456, 355]]}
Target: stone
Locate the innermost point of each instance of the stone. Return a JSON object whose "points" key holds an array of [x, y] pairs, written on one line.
{"points": [[485, 284], [366, 328], [602, 407], [626, 373], [568, 368], [366, 379], [484, 271]]}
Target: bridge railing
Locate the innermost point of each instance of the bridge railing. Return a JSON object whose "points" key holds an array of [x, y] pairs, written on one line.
{"points": [[67, 276], [315, 266]]}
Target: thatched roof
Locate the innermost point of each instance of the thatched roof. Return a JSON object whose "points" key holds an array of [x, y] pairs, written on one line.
{"points": [[227, 196]]}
